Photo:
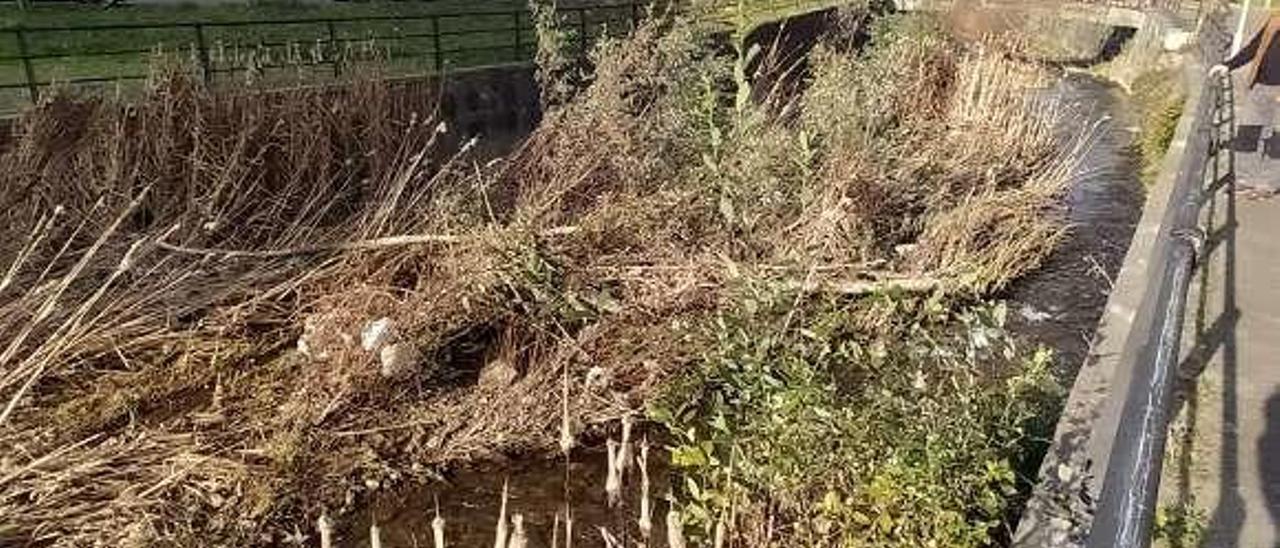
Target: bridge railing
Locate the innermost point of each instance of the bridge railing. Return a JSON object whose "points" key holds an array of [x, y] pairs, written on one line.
{"points": [[1125, 511]]}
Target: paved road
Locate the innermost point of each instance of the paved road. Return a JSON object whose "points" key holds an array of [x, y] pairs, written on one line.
{"points": [[1257, 142], [1227, 457]]}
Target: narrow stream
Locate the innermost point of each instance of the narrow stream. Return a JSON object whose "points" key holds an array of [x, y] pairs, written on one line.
{"points": [[1058, 306], [470, 503]]}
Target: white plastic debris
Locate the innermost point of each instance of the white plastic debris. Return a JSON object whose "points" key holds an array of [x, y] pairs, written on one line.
{"points": [[376, 334], [1176, 40], [399, 359], [1032, 315], [303, 347], [597, 378], [306, 342], [498, 373], [1065, 473]]}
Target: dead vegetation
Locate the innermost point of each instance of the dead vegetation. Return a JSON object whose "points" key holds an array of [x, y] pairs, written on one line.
{"points": [[189, 277]]}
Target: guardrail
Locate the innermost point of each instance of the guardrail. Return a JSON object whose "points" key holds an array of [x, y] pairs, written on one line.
{"points": [[410, 45], [1125, 511]]}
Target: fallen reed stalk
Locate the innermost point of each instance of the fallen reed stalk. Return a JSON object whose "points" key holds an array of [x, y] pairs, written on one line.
{"points": [[361, 245]]}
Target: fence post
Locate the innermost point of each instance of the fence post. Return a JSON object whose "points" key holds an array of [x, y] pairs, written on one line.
{"points": [[515, 17], [333, 47], [205, 73], [582, 30], [27, 70], [435, 43]]}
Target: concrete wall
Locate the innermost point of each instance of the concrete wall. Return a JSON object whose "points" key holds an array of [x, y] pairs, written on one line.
{"points": [[782, 64], [499, 104], [1061, 510]]}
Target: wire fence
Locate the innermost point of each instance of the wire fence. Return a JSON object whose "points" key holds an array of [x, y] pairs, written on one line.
{"points": [[314, 50], [33, 58]]}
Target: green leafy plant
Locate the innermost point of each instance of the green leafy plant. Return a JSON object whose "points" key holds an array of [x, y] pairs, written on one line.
{"points": [[557, 65], [910, 434], [1180, 524], [1158, 96]]}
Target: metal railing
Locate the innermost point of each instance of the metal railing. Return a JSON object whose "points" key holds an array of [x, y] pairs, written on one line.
{"points": [[406, 45], [1125, 512], [409, 44], [1171, 5]]}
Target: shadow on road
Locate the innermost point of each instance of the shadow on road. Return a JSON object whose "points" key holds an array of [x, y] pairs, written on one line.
{"points": [[1228, 518], [1216, 336], [1269, 444], [1251, 139]]}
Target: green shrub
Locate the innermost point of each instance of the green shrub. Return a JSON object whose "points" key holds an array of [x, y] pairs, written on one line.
{"points": [[1158, 97], [1180, 524], [908, 433]]}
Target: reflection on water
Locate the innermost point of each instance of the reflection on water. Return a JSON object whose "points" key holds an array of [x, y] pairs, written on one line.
{"points": [[1059, 305], [470, 503]]}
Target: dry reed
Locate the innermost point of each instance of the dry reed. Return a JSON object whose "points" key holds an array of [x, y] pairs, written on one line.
{"points": [[187, 276]]}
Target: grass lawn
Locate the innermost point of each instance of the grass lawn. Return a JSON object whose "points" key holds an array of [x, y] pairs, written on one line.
{"points": [[281, 37]]}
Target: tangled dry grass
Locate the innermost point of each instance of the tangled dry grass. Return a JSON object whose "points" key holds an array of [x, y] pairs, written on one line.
{"points": [[189, 276]]}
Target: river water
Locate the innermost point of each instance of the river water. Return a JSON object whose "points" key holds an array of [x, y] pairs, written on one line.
{"points": [[1059, 304], [470, 503]]}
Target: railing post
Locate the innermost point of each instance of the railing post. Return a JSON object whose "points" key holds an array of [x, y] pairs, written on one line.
{"points": [[203, 51], [333, 47], [435, 43], [30, 73], [515, 18]]}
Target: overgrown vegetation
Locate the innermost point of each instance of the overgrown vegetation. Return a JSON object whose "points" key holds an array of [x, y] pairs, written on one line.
{"points": [[1159, 97], [890, 420], [225, 315], [806, 427], [1180, 525]]}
